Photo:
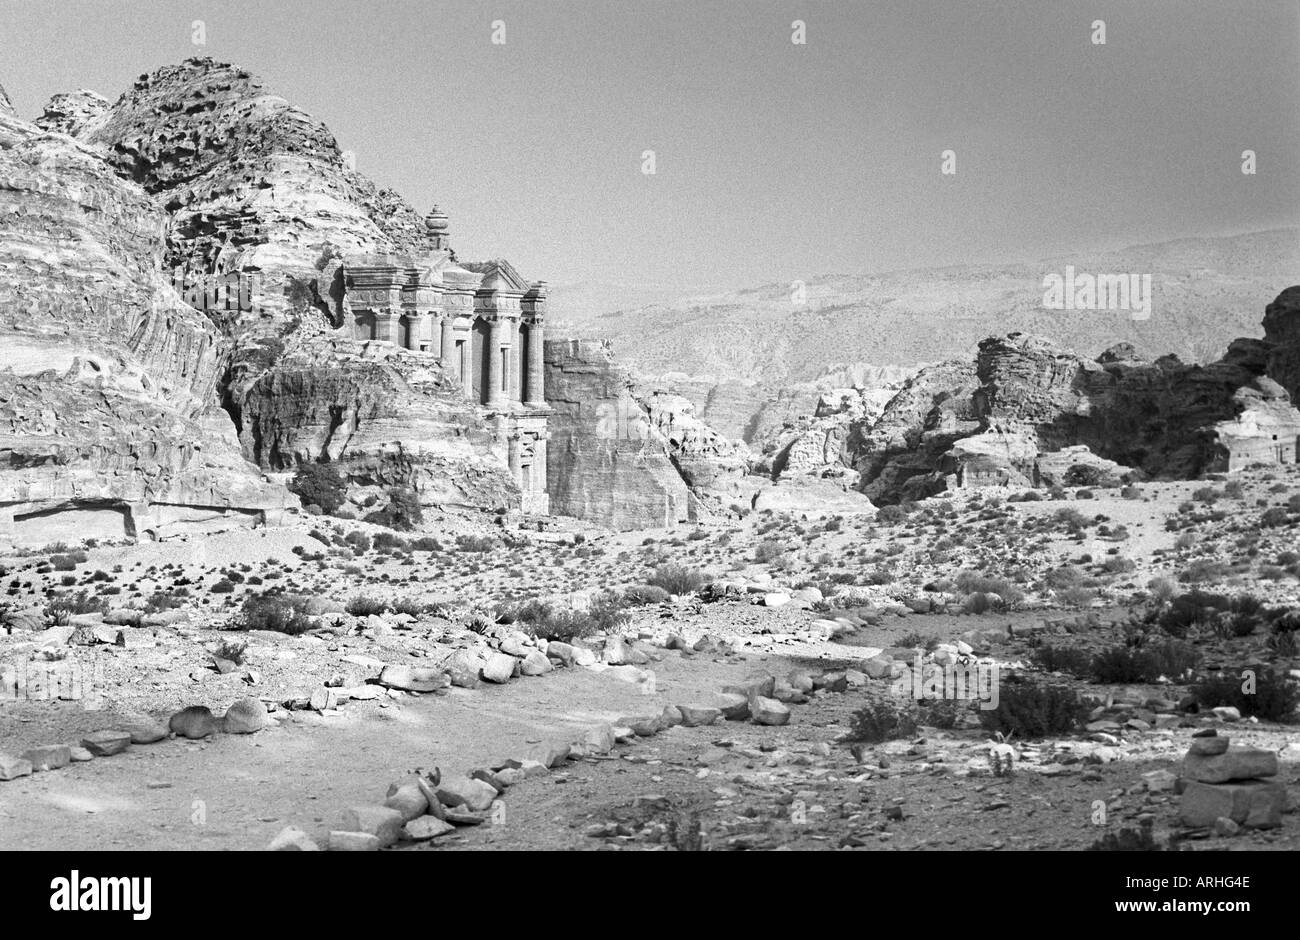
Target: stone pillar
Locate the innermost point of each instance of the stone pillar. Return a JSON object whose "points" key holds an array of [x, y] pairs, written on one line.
{"points": [[516, 360], [514, 457], [467, 364], [447, 347], [414, 330], [535, 393], [495, 374], [386, 326]]}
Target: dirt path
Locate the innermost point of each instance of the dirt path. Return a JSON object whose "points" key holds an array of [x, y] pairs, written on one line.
{"points": [[237, 792]]}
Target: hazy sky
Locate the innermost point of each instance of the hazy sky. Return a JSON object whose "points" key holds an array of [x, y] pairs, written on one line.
{"points": [[774, 161]]}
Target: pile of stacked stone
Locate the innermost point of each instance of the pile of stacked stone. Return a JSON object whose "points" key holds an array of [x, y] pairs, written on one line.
{"points": [[1230, 787]]}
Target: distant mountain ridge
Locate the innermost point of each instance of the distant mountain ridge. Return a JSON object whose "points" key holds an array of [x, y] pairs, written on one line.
{"points": [[1206, 292]]}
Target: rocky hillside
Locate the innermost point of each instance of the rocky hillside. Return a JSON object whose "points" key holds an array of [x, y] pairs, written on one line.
{"points": [[742, 355], [626, 458], [1027, 412], [109, 417], [254, 188]]}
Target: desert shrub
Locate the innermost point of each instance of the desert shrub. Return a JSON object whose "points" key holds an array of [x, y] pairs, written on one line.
{"points": [[403, 511], [1172, 659], [639, 595], [426, 543], [1131, 492], [408, 605], [1065, 659], [545, 621], [1268, 695], [1031, 709], [939, 713], [768, 551], [1077, 597], [1206, 494], [1162, 589], [882, 721], [981, 603], [224, 586], [1203, 569], [888, 515], [365, 606], [319, 484], [474, 544], [1121, 664], [676, 579], [358, 541], [1070, 519], [62, 606], [1273, 518], [1234, 490], [282, 613], [972, 582], [1118, 564], [163, 600]]}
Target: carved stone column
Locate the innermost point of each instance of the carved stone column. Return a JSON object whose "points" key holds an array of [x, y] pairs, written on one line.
{"points": [[496, 364], [386, 326], [535, 393], [448, 348]]}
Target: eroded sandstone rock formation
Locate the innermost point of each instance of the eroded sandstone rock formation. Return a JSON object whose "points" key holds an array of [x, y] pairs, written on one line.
{"points": [[286, 256], [1027, 413], [625, 460], [109, 421]]}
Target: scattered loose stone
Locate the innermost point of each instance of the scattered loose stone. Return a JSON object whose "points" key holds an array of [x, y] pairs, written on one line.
{"points": [[11, 768], [194, 722], [293, 839], [148, 734], [246, 716], [408, 799], [353, 842], [413, 678], [1208, 747], [1236, 763], [768, 711], [1255, 804], [49, 757], [106, 743], [499, 668], [475, 795], [425, 828], [382, 822], [694, 716]]}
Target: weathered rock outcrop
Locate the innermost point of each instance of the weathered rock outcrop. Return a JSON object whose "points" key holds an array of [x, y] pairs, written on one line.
{"points": [[626, 463], [1282, 333], [257, 189], [818, 444], [6, 106], [899, 453], [379, 414], [109, 423], [1033, 414]]}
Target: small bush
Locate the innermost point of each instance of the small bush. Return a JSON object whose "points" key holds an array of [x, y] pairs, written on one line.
{"points": [[639, 595], [319, 484], [1067, 659], [1272, 697], [365, 606], [676, 579], [474, 543], [1030, 709], [883, 721], [223, 586], [403, 511], [281, 613]]}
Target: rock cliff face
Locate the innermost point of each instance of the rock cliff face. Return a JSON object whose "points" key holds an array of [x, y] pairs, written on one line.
{"points": [[1282, 333], [1029, 413], [624, 462], [109, 423], [255, 189], [6, 106]]}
